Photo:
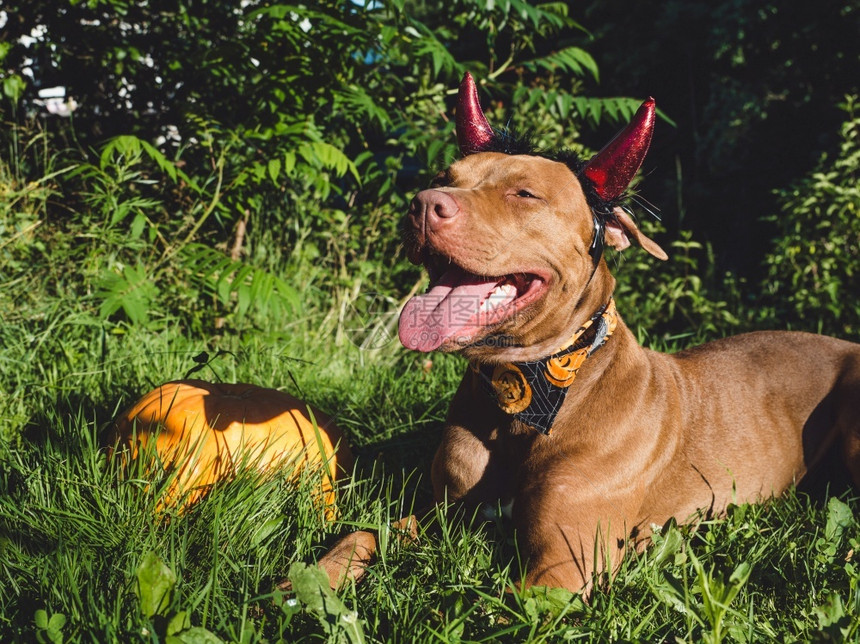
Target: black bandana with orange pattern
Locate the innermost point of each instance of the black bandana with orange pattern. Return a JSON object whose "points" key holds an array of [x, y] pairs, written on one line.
{"points": [[533, 392]]}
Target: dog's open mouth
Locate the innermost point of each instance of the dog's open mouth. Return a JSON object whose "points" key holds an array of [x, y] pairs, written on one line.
{"points": [[460, 306]]}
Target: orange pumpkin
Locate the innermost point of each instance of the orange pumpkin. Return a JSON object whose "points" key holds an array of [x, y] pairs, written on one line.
{"points": [[205, 431]]}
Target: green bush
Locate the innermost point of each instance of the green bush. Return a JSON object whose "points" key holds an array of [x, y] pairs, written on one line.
{"points": [[811, 265], [680, 302], [813, 268], [273, 133]]}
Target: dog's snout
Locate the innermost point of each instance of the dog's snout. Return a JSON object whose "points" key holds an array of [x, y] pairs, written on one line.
{"points": [[431, 214], [434, 205]]}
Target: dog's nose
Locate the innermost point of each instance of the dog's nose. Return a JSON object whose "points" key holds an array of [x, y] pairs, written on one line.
{"points": [[433, 205], [430, 213]]}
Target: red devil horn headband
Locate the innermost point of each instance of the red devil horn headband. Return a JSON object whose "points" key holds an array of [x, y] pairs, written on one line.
{"points": [[612, 169], [473, 131]]}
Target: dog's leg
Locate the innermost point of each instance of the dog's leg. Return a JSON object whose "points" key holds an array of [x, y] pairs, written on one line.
{"points": [[571, 556], [567, 543], [348, 559], [470, 468]]}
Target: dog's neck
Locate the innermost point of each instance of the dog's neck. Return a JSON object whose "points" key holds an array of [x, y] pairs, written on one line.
{"points": [[534, 391]]}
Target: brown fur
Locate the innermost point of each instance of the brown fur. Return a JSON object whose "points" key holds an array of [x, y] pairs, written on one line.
{"points": [[642, 437]]}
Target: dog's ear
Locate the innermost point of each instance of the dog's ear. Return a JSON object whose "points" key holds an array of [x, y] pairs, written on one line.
{"points": [[621, 229]]}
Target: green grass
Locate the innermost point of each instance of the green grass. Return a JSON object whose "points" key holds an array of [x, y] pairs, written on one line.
{"points": [[75, 528]]}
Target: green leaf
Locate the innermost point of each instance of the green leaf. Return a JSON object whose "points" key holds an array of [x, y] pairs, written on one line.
{"points": [[556, 602], [137, 225], [179, 622], [311, 586], [839, 517], [264, 531], [194, 635], [133, 291], [274, 169], [160, 160], [41, 618], [667, 544], [125, 145], [57, 621], [13, 87], [155, 583], [737, 580], [831, 612], [570, 59], [237, 285], [312, 589], [327, 156], [289, 162], [133, 148]]}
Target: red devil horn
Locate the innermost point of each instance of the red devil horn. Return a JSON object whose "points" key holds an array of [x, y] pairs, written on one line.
{"points": [[473, 130], [612, 169]]}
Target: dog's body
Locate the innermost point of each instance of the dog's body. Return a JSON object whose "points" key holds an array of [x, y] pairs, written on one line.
{"points": [[641, 437], [646, 437]]}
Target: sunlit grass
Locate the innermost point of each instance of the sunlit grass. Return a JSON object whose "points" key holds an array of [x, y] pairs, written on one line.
{"points": [[75, 527]]}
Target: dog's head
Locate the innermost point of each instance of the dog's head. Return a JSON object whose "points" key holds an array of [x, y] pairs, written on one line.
{"points": [[513, 241]]}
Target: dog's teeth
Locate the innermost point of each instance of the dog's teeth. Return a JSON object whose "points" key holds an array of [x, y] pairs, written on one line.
{"points": [[500, 295]]}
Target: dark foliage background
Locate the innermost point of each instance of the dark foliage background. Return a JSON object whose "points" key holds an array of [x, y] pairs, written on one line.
{"points": [[754, 89]]}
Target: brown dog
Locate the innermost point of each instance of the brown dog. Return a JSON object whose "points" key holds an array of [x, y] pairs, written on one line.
{"points": [[593, 447]]}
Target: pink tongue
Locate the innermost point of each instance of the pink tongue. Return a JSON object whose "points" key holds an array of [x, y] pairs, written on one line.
{"points": [[452, 305]]}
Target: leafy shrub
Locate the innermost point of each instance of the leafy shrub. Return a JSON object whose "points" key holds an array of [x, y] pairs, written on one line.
{"points": [[751, 86], [682, 301], [813, 268], [286, 138]]}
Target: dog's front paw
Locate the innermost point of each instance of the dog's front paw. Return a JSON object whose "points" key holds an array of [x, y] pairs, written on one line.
{"points": [[349, 558]]}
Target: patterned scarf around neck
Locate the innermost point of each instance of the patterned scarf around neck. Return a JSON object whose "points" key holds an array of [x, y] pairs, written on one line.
{"points": [[533, 392]]}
